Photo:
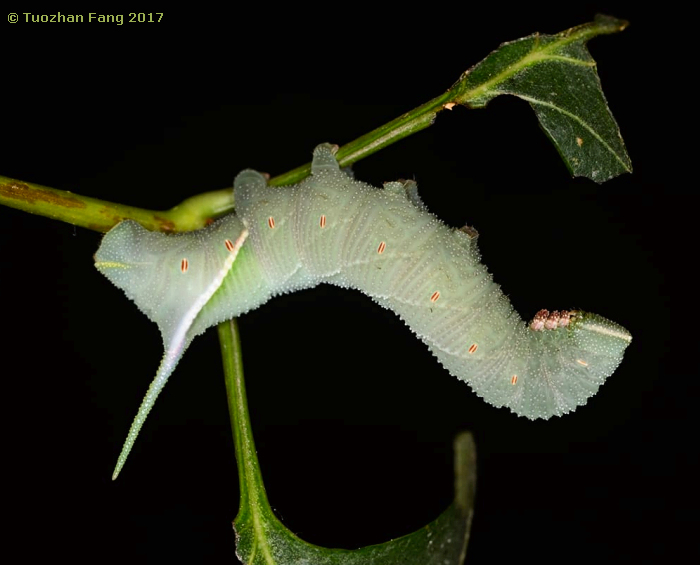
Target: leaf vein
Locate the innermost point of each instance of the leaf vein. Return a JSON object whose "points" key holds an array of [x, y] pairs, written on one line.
{"points": [[585, 124]]}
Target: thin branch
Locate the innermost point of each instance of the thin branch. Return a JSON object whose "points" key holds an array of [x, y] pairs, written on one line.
{"points": [[102, 215], [197, 211], [253, 496]]}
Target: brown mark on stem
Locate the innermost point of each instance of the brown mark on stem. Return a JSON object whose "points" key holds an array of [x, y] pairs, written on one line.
{"points": [[21, 191]]}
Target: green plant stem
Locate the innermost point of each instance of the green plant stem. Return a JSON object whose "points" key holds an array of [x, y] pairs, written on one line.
{"points": [[391, 132], [253, 497], [196, 211], [101, 215]]}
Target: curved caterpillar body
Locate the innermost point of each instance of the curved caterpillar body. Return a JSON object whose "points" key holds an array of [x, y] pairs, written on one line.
{"points": [[333, 229]]}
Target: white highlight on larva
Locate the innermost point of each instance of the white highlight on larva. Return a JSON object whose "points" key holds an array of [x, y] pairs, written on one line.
{"points": [[551, 358], [176, 347], [604, 330]]}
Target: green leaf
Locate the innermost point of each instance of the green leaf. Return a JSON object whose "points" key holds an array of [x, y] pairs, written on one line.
{"points": [[554, 73], [261, 539], [557, 76]]}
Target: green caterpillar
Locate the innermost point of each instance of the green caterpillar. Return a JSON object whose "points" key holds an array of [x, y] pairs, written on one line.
{"points": [[333, 229]]}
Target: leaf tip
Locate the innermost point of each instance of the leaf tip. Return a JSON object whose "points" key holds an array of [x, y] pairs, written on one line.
{"points": [[609, 24]]}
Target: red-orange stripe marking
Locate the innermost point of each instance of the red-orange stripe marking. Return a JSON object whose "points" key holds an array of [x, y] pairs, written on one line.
{"points": [[184, 265], [381, 248], [271, 222], [472, 348], [435, 296], [514, 379], [323, 221], [229, 244]]}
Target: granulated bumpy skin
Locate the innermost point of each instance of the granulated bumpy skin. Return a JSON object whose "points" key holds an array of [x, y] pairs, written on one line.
{"points": [[331, 228]]}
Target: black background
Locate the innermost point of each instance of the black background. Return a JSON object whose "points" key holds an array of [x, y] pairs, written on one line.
{"points": [[352, 416]]}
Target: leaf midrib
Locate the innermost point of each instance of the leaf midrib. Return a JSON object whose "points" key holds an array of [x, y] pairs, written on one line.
{"points": [[536, 55]]}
